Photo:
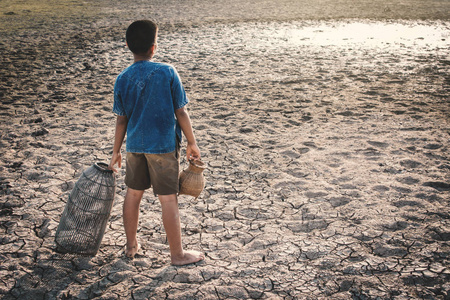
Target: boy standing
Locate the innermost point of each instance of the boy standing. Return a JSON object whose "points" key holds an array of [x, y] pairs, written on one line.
{"points": [[150, 103]]}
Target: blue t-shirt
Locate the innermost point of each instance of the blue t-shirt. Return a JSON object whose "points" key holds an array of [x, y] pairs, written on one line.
{"points": [[148, 93]]}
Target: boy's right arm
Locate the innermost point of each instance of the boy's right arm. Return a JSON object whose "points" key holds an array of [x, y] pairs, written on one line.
{"points": [[121, 130], [192, 150]]}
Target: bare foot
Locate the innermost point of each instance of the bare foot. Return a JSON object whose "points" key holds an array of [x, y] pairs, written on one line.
{"points": [[189, 257], [130, 252]]}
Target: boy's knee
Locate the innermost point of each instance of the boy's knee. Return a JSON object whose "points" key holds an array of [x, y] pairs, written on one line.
{"points": [[168, 198], [134, 193]]}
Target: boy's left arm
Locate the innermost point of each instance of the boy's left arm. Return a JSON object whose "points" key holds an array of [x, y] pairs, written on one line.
{"points": [[121, 130]]}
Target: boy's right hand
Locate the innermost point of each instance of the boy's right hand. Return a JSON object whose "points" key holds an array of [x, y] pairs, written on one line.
{"points": [[116, 158], [192, 152]]}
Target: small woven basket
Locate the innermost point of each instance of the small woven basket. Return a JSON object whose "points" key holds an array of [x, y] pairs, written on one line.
{"points": [[192, 181], [85, 216]]}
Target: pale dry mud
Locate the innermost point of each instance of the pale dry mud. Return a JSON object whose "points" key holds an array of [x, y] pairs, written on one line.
{"points": [[328, 162]]}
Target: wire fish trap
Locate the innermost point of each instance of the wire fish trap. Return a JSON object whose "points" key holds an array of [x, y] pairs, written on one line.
{"points": [[191, 180], [85, 216]]}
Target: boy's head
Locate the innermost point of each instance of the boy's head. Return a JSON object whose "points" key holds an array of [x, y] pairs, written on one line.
{"points": [[141, 35]]}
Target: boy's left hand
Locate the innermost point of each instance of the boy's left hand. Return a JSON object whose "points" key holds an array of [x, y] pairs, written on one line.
{"points": [[116, 158]]}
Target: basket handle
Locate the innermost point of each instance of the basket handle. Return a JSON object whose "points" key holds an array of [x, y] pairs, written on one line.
{"points": [[102, 167], [197, 163]]}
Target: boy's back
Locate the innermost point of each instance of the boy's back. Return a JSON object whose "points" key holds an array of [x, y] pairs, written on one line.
{"points": [[148, 93]]}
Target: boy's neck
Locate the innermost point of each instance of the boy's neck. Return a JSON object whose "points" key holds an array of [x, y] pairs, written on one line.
{"points": [[145, 56], [138, 57]]}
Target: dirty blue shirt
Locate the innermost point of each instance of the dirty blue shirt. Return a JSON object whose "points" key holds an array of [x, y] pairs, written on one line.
{"points": [[148, 93]]}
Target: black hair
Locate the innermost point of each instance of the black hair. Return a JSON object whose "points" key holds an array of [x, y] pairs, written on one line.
{"points": [[141, 36]]}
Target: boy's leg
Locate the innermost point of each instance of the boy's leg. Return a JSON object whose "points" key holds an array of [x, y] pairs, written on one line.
{"points": [[130, 219], [171, 221]]}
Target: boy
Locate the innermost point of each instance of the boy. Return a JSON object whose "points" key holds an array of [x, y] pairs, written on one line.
{"points": [[150, 103]]}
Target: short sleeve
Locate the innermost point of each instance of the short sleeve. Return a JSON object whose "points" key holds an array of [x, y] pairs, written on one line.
{"points": [[118, 104], [178, 93]]}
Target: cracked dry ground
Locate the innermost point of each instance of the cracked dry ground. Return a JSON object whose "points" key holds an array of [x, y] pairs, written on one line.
{"points": [[328, 169]]}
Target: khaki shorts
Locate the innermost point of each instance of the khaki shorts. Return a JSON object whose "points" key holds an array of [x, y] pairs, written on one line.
{"points": [[159, 171]]}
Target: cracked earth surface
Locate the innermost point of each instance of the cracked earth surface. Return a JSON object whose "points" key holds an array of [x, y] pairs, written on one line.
{"points": [[328, 165]]}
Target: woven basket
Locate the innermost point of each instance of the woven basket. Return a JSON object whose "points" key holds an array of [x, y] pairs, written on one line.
{"points": [[85, 216], [191, 180]]}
